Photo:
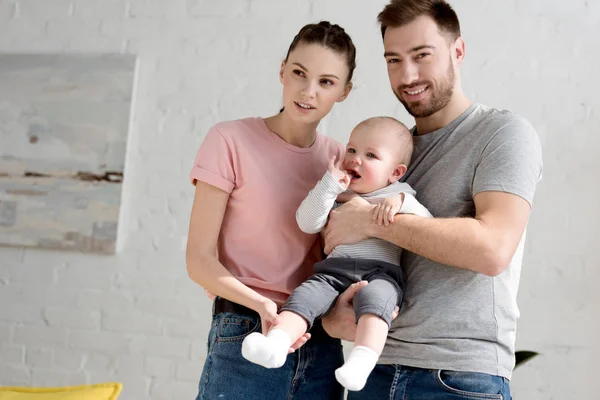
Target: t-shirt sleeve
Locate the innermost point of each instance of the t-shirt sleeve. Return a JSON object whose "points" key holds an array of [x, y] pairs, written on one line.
{"points": [[214, 163], [511, 161]]}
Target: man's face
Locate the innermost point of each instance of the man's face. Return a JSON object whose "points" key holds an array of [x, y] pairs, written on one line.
{"points": [[420, 66]]}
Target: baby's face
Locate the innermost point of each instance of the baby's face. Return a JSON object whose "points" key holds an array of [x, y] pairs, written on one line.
{"points": [[372, 156]]}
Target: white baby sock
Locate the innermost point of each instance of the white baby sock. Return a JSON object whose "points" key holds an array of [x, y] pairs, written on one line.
{"points": [[269, 351], [355, 371]]}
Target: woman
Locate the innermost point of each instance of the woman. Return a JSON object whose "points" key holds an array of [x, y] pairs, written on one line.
{"points": [[244, 244]]}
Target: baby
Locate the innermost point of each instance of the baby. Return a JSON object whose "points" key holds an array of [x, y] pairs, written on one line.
{"points": [[377, 156]]}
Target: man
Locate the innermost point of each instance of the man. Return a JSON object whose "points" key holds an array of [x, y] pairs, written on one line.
{"points": [[476, 169]]}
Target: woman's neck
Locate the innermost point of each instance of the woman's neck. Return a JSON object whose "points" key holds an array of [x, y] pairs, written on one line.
{"points": [[295, 133]]}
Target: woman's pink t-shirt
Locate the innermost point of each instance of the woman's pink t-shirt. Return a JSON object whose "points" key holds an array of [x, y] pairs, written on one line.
{"points": [[267, 178]]}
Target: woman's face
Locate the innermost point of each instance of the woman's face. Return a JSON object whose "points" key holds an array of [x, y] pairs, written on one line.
{"points": [[314, 78]]}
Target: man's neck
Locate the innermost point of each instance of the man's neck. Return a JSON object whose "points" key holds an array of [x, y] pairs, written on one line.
{"points": [[457, 105]]}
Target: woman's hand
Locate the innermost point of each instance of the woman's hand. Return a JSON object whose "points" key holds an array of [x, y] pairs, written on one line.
{"points": [[267, 309]]}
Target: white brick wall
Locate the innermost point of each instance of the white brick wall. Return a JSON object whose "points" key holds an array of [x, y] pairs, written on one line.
{"points": [[69, 318]]}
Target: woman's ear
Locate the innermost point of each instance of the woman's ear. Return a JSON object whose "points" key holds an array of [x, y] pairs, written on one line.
{"points": [[281, 70], [398, 173], [347, 90]]}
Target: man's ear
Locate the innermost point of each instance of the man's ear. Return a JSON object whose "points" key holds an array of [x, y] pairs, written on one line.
{"points": [[347, 90], [459, 50], [281, 70], [398, 173]]}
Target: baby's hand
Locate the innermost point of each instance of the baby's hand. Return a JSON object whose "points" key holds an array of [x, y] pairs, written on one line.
{"points": [[267, 309], [340, 176], [385, 211]]}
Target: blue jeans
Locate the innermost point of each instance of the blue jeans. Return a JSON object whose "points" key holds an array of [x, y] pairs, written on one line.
{"points": [[396, 382], [308, 374]]}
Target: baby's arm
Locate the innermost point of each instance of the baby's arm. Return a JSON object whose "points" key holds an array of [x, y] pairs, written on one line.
{"points": [[314, 210], [401, 203]]}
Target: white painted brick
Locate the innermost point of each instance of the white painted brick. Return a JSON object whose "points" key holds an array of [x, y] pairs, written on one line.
{"points": [[134, 387], [39, 335], [12, 354], [162, 305], [96, 45], [5, 331], [160, 346], [168, 389], [47, 295], [83, 277], [38, 274], [47, 377], [100, 9], [69, 27], [14, 375], [189, 371], [157, 8], [67, 359], [159, 367], [97, 362], [10, 294], [69, 318], [223, 8], [275, 9], [39, 358], [100, 341], [198, 349], [45, 9], [38, 45], [108, 301], [22, 27], [21, 313], [133, 28], [130, 364], [8, 9], [133, 322], [186, 328]]}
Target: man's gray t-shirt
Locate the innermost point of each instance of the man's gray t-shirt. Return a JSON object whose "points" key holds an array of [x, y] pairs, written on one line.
{"points": [[453, 318]]}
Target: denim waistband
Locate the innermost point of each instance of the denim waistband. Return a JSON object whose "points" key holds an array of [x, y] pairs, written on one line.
{"points": [[222, 305]]}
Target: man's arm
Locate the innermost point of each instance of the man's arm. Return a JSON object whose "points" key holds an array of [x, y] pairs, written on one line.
{"points": [[485, 243]]}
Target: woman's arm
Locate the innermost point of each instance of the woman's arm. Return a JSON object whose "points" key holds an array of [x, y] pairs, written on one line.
{"points": [[203, 265]]}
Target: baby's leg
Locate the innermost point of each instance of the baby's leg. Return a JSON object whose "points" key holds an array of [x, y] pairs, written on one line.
{"points": [[371, 334], [309, 301], [374, 305], [271, 350]]}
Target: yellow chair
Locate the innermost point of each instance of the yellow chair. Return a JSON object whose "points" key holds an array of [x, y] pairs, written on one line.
{"points": [[101, 391]]}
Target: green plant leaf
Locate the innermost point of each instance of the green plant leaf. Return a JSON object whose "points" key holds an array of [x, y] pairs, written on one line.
{"points": [[523, 356]]}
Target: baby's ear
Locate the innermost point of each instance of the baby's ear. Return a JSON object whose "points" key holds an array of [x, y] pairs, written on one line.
{"points": [[398, 173]]}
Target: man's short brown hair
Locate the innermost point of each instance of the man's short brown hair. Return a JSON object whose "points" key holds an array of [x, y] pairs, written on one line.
{"points": [[401, 12]]}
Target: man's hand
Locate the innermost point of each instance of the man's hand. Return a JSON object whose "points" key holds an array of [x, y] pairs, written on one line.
{"points": [[347, 223], [340, 322], [385, 211]]}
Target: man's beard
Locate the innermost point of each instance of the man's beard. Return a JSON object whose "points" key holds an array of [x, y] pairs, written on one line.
{"points": [[439, 98]]}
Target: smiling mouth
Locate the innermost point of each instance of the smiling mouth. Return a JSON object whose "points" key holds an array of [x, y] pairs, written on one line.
{"points": [[414, 92], [304, 106]]}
